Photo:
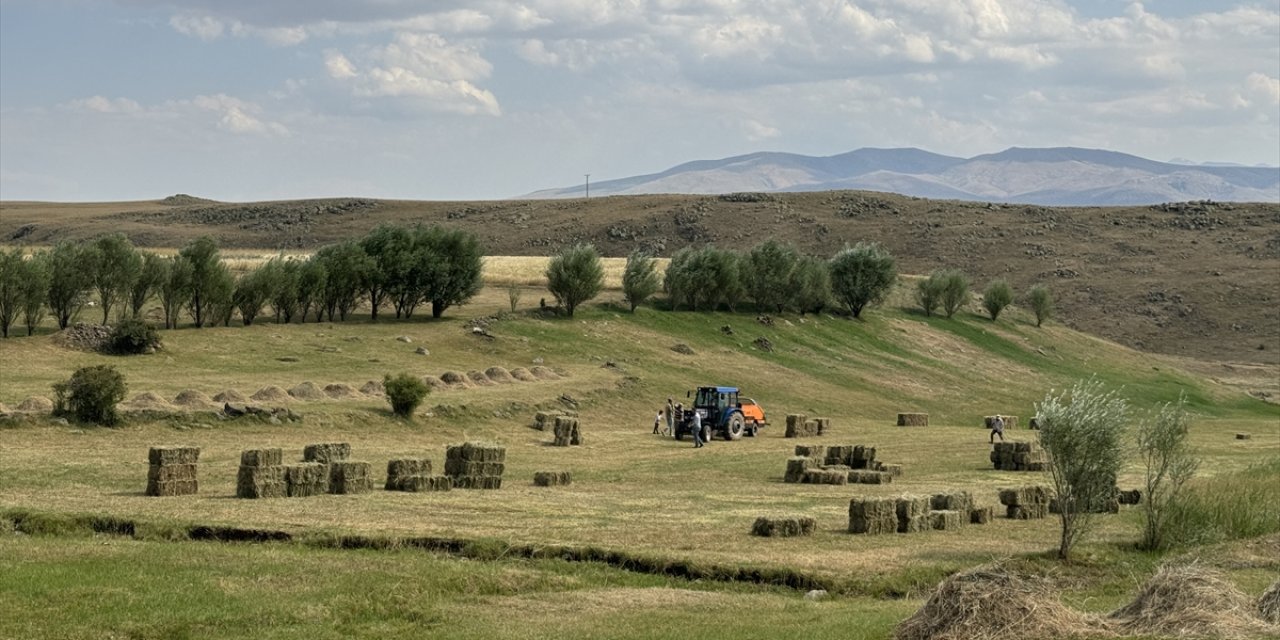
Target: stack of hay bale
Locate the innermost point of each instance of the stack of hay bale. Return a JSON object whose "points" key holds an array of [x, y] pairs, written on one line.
{"points": [[546, 420], [305, 479], [913, 419], [783, 527], [817, 464], [1018, 456], [261, 474], [414, 474], [950, 510], [800, 426], [344, 475], [1010, 422], [172, 471], [873, 516], [912, 513], [1025, 503], [551, 478], [475, 465], [567, 432], [826, 475]]}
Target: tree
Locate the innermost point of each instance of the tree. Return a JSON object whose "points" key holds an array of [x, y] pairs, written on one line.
{"points": [[346, 266], [929, 292], [862, 275], [1082, 433], [390, 250], [68, 282], [150, 276], [1170, 463], [574, 276], [91, 395], [113, 266], [11, 276], [639, 278], [405, 392], [1041, 303], [175, 289], [208, 275], [768, 275], [312, 280], [725, 286], [35, 288], [281, 281], [459, 279], [513, 295], [220, 297], [997, 296], [253, 289], [955, 291], [811, 285], [677, 282]]}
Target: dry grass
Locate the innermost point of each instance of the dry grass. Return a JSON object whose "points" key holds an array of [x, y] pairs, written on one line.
{"points": [[1191, 601]]}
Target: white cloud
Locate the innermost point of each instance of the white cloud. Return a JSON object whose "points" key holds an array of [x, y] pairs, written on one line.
{"points": [[433, 73], [220, 111], [101, 104], [339, 66], [204, 27], [1264, 87]]}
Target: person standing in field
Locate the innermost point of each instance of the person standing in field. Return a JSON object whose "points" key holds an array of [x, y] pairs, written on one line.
{"points": [[671, 417], [657, 422], [697, 430], [997, 428]]}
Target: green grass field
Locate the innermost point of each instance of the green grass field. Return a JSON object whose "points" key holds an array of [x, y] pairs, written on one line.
{"points": [[633, 493]]}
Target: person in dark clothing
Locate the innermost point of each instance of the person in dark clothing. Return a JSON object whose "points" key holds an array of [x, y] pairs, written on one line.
{"points": [[997, 429]]}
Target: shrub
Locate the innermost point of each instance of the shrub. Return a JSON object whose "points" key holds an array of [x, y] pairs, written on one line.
{"points": [[862, 275], [575, 275], [513, 295], [955, 291], [1082, 433], [133, 336], [1228, 506], [1041, 303], [1170, 463], [929, 293], [405, 392], [639, 278], [997, 296], [90, 395]]}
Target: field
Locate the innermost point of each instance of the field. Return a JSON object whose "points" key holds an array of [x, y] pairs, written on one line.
{"points": [[643, 508]]}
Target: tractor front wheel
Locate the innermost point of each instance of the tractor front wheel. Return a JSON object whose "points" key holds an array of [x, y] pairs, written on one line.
{"points": [[735, 427]]}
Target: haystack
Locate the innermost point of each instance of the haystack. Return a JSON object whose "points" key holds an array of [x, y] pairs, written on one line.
{"points": [[376, 388], [455, 379], [981, 515], [913, 419], [1191, 601], [340, 391], [796, 467], [993, 604], [1018, 456], [567, 432], [543, 373], [326, 452], [261, 474], [912, 514], [35, 404], [307, 391], [192, 399], [873, 516], [953, 501], [1269, 603], [799, 426], [421, 484], [172, 471], [147, 401], [350, 476], [479, 379], [431, 381], [475, 465], [499, 375], [894, 470], [306, 479], [1025, 503], [944, 520], [523, 375], [544, 420], [230, 395], [271, 393], [551, 478], [783, 527]]}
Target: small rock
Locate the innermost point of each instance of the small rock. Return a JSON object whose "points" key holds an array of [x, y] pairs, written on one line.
{"points": [[537, 360], [422, 351], [62, 422], [815, 595], [682, 348], [404, 339]]}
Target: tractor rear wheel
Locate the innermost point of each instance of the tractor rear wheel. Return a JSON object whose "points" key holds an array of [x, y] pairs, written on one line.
{"points": [[734, 428]]}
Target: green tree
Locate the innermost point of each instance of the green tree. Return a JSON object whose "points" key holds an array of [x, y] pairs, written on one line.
{"points": [[929, 292], [150, 276], [678, 282], [208, 276], [574, 276], [862, 275], [997, 296], [69, 282], [1082, 433], [460, 278], [282, 280], [346, 266], [220, 297], [35, 288], [727, 286], [253, 289], [639, 278], [12, 273], [769, 274], [1041, 303], [1170, 462], [390, 250], [175, 289], [113, 266], [811, 285], [91, 395], [955, 291], [405, 392], [312, 281]]}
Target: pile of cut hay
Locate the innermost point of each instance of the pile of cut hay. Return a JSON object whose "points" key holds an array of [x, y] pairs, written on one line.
{"points": [[1191, 601], [567, 432], [523, 375], [307, 391], [375, 388], [543, 373], [993, 604], [1025, 503], [1018, 456], [192, 399], [431, 381], [478, 378], [261, 474], [147, 401], [455, 379], [551, 478], [230, 395], [35, 404], [475, 465], [271, 393], [873, 516], [783, 526], [499, 375], [913, 419], [340, 391], [172, 471], [856, 462], [1269, 604]]}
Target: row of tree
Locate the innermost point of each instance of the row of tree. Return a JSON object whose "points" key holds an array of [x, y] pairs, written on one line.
{"points": [[397, 267]]}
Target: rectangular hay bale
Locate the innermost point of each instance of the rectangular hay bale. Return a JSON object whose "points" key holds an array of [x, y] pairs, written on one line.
{"points": [[418, 484], [167, 455], [783, 527], [912, 513], [913, 419], [306, 479], [873, 516], [551, 478], [405, 467], [795, 425], [894, 470], [161, 488], [261, 458], [947, 519], [260, 482], [171, 472], [818, 451], [326, 452], [350, 476], [796, 467], [825, 476], [981, 515]]}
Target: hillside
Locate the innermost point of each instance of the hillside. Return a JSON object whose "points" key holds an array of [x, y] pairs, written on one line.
{"points": [[1193, 279], [1061, 176]]}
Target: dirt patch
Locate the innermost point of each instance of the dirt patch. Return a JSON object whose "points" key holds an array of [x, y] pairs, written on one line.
{"points": [[308, 391], [270, 393], [340, 391], [230, 395], [1191, 601], [35, 404]]}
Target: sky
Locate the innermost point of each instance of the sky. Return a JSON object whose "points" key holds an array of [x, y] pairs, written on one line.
{"points": [[443, 99]]}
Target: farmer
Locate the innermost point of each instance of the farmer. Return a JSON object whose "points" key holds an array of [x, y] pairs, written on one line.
{"points": [[671, 425], [997, 428], [697, 430]]}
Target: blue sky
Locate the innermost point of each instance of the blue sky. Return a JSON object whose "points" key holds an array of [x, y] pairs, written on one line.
{"points": [[444, 99]]}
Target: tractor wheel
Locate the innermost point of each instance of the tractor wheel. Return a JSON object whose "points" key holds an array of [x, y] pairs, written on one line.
{"points": [[734, 428]]}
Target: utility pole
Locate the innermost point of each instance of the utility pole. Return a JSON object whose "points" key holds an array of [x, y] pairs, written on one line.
{"points": [[588, 184]]}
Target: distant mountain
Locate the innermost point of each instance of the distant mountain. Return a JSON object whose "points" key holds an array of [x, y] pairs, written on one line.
{"points": [[1058, 176]]}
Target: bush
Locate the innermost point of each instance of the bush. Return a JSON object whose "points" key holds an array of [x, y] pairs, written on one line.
{"points": [[929, 293], [862, 275], [405, 393], [90, 395], [997, 296], [1229, 506], [575, 276], [955, 291], [639, 279], [1170, 463], [133, 336], [1041, 303]]}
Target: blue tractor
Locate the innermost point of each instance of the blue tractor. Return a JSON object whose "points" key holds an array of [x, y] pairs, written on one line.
{"points": [[723, 413]]}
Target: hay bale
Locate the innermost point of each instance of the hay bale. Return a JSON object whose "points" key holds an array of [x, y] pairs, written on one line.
{"points": [[455, 379], [912, 514], [405, 467], [475, 465], [954, 501], [147, 401], [306, 479], [873, 516], [261, 457], [544, 419], [171, 455], [374, 388], [798, 426], [913, 419], [340, 391], [812, 451], [327, 452], [1025, 503], [307, 391], [948, 520], [866, 476], [567, 432], [230, 395], [254, 482], [431, 381], [499, 375], [783, 527], [35, 404], [468, 468], [839, 454], [1242, 436], [1190, 601], [551, 478], [543, 373], [271, 393], [796, 467], [894, 470], [824, 426], [473, 482], [418, 484], [825, 476], [192, 399], [993, 604], [172, 479], [479, 379], [350, 476], [981, 515], [1269, 603]]}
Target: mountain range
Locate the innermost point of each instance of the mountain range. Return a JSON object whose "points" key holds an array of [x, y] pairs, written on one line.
{"points": [[1058, 176]]}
